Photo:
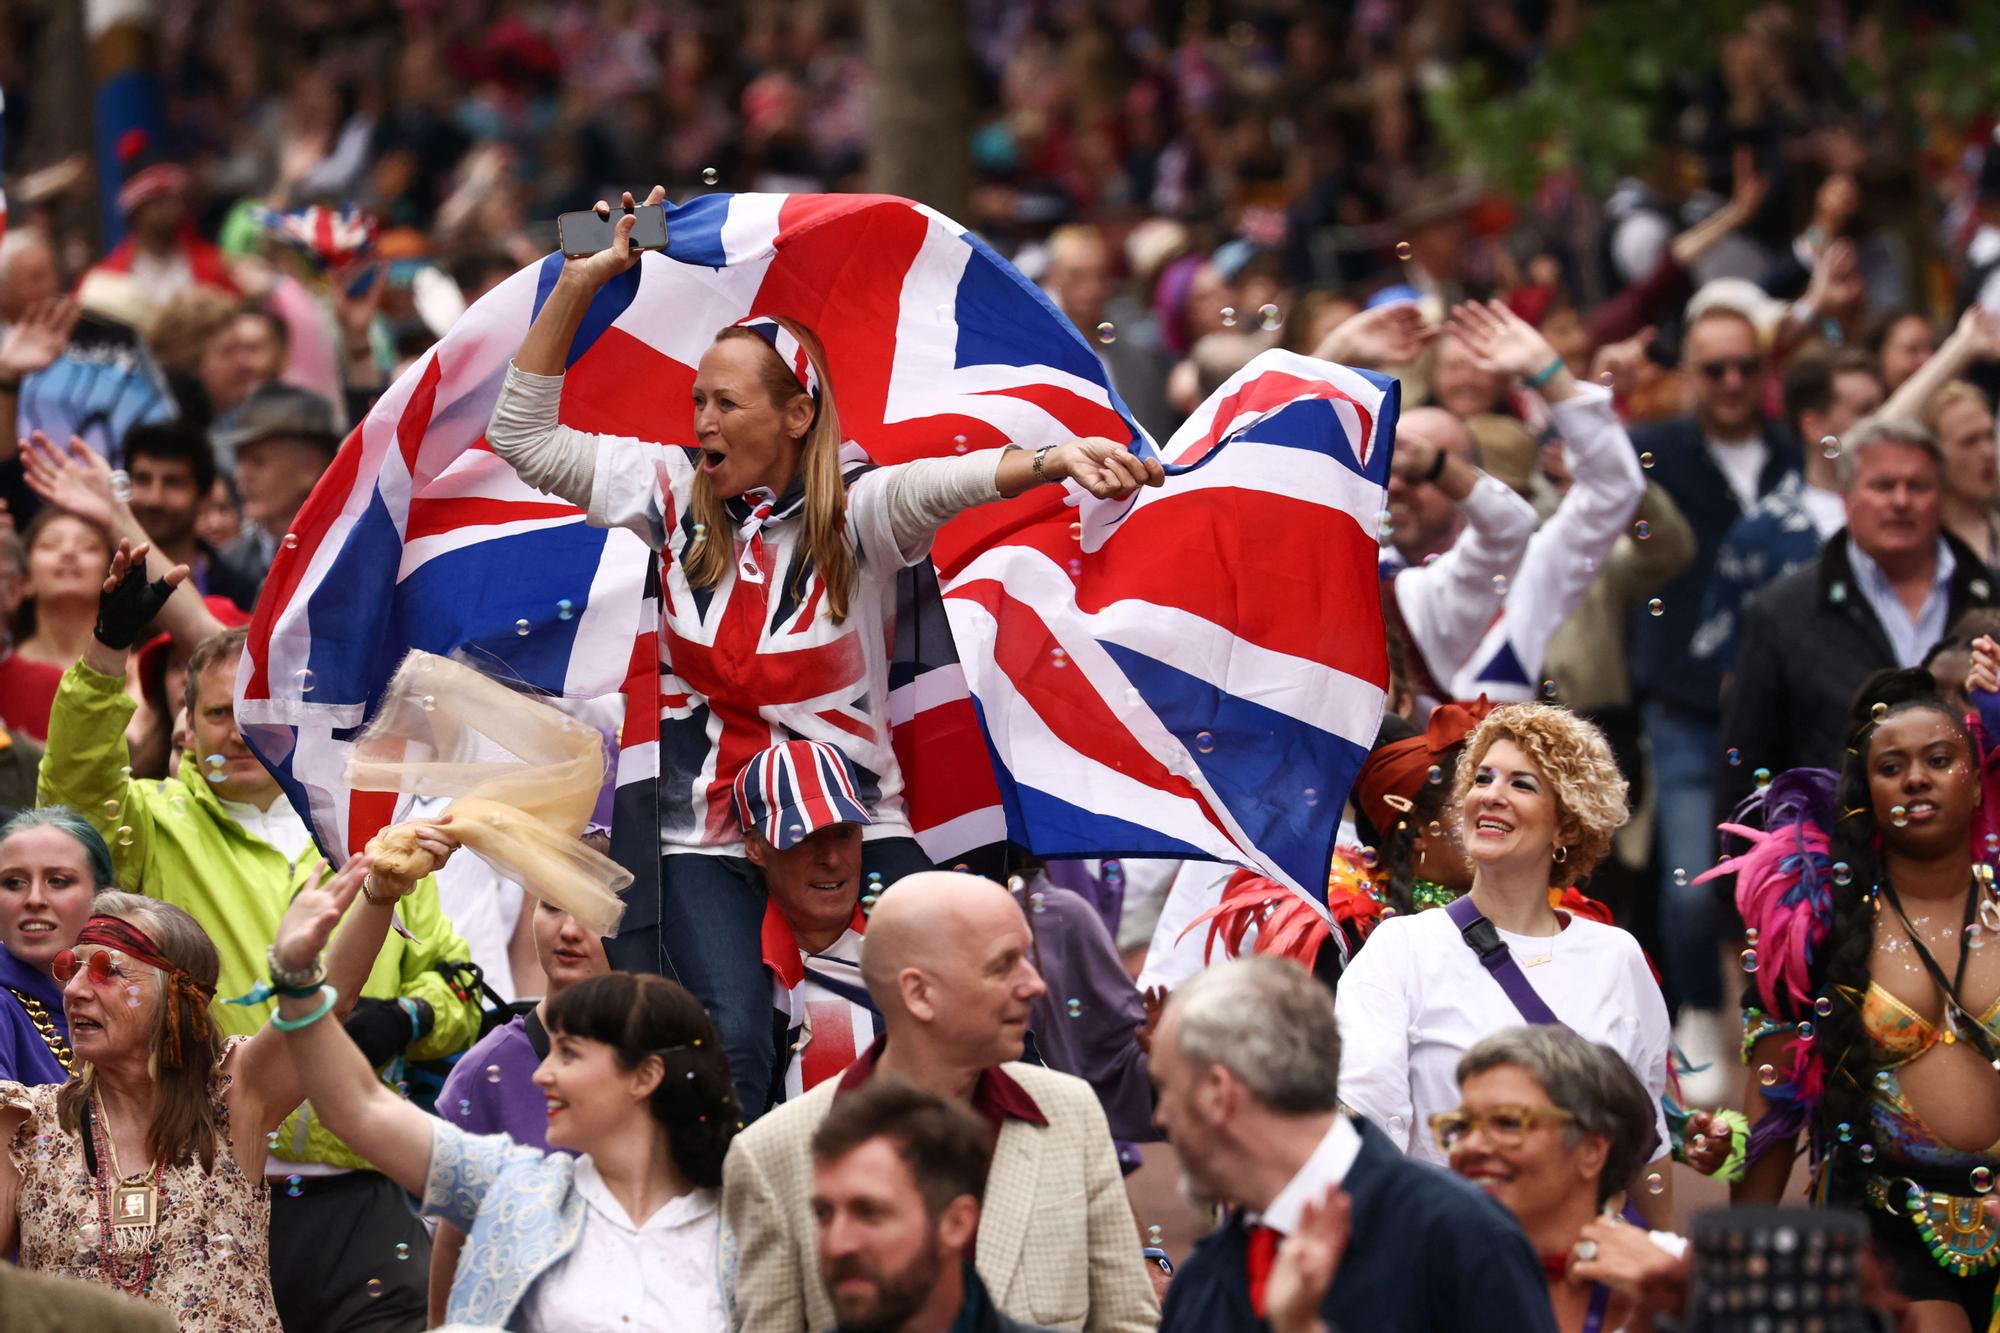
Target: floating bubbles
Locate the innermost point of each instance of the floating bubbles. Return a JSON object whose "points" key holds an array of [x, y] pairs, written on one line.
{"points": [[701, 532], [1866, 1152], [1975, 938], [1750, 935], [1073, 1007], [1767, 1075], [1404, 250], [1805, 1031], [465, 1106], [1823, 1006], [1655, 1183], [958, 444], [868, 901], [1899, 816], [1762, 777], [1228, 316], [1076, 532], [1656, 607], [565, 610], [1607, 379], [1500, 585], [1982, 1179], [1735, 757], [1992, 843], [1844, 1132], [43, 1150], [1369, 856], [1829, 446], [493, 1073], [374, 1287], [294, 1186], [1107, 333], [1642, 529], [1269, 317], [1884, 1080], [1154, 1235], [291, 541], [1680, 877], [521, 627], [1548, 689], [1312, 796], [1058, 658], [1749, 960], [1204, 742], [124, 838], [1435, 776], [1038, 903], [1843, 874], [429, 703], [113, 809], [304, 677], [1646, 461]]}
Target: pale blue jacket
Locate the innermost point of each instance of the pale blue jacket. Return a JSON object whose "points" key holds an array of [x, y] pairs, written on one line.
{"points": [[519, 1209]]}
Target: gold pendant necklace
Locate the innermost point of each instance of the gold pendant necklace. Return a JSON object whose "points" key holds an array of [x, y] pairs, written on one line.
{"points": [[132, 1205]]}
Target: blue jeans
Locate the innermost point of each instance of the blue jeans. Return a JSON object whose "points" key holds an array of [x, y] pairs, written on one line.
{"points": [[1686, 750], [710, 939]]}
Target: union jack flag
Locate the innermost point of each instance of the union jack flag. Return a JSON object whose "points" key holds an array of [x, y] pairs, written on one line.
{"points": [[1196, 671], [329, 238]]}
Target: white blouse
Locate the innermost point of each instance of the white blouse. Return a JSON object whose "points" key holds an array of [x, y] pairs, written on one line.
{"points": [[662, 1277], [1416, 998]]}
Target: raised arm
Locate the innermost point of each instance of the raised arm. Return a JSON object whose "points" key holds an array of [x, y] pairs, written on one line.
{"points": [[32, 343], [1977, 336], [326, 1064]]}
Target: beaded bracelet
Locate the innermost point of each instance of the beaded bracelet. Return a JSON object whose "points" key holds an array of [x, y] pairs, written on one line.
{"points": [[328, 998]]}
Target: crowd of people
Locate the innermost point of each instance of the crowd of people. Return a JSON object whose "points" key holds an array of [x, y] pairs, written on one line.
{"points": [[1673, 856]]}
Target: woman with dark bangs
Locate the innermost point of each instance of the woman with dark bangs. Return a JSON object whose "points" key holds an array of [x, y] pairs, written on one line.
{"points": [[1872, 1020], [625, 1235]]}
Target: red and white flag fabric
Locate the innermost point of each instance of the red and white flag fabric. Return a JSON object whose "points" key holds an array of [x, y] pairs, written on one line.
{"points": [[1196, 671]]}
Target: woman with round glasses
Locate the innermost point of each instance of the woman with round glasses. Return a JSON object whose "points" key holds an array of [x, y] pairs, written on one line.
{"points": [[144, 1170], [53, 864], [1553, 1126]]}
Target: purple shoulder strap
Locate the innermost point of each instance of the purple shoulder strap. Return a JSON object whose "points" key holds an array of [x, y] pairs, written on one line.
{"points": [[1483, 939]]}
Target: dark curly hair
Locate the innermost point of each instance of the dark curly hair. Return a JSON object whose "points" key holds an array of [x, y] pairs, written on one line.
{"points": [[1844, 1047], [641, 1016]]}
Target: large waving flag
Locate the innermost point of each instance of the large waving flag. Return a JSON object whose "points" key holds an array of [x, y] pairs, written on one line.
{"points": [[1196, 671]]}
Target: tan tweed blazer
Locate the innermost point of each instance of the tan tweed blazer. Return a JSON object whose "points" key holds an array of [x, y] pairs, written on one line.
{"points": [[1057, 1243]]}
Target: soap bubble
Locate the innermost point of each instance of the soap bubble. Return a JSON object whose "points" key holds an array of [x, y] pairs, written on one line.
{"points": [[1204, 742], [402, 1249], [709, 175], [1680, 876], [1646, 460], [565, 610], [374, 1287], [1762, 777], [1749, 960], [1866, 1152], [493, 1073], [1829, 446], [1500, 584], [1058, 658], [1228, 316], [1655, 1183], [1312, 796], [1805, 1031], [1074, 1008], [1982, 1179], [1822, 1006], [1435, 775], [1656, 607], [1642, 529], [304, 676], [291, 541], [1269, 318], [1107, 333], [1767, 1075], [1843, 874], [1844, 1131], [294, 1185], [521, 627], [124, 838], [1403, 250], [1899, 816]]}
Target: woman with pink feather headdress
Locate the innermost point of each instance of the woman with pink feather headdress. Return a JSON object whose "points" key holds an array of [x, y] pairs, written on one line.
{"points": [[1872, 1017]]}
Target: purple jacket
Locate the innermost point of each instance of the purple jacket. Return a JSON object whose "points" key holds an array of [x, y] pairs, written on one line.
{"points": [[25, 1056]]}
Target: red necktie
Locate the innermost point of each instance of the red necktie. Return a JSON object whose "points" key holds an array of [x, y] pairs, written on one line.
{"points": [[1257, 1264]]}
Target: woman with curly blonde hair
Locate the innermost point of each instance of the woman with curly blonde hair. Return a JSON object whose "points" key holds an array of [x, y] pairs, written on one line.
{"points": [[1538, 797]]}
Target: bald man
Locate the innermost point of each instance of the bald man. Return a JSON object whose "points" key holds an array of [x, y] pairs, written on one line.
{"points": [[1455, 538], [947, 961]]}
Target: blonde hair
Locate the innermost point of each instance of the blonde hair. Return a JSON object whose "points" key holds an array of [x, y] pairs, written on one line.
{"points": [[1576, 762], [1949, 396], [185, 324], [827, 550]]}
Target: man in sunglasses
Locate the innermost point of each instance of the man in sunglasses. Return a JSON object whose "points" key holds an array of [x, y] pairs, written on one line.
{"points": [[1714, 464]]}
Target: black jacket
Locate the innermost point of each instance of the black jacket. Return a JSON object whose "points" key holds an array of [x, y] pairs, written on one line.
{"points": [[1657, 648], [1430, 1252], [1809, 640]]}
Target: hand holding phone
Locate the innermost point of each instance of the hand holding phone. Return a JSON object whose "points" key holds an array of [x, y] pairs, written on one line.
{"points": [[594, 260]]}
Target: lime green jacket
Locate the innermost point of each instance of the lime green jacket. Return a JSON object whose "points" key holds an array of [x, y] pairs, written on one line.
{"points": [[172, 840]]}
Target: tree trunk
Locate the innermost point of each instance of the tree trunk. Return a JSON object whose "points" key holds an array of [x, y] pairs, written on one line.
{"points": [[920, 102]]}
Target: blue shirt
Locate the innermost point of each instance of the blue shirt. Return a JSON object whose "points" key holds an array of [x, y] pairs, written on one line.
{"points": [[1910, 637]]}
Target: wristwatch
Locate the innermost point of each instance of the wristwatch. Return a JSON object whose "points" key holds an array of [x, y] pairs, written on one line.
{"points": [[307, 979], [1040, 454]]}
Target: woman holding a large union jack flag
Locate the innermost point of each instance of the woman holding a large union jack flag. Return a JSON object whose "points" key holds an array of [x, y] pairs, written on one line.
{"points": [[777, 596]]}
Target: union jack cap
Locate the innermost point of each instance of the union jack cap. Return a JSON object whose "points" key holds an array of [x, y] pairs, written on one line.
{"points": [[795, 789]]}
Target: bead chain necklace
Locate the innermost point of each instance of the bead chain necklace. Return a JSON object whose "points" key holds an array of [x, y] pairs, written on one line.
{"points": [[138, 1207]]}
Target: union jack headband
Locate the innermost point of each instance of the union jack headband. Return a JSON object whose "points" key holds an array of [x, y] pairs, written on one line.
{"points": [[795, 789], [788, 349]]}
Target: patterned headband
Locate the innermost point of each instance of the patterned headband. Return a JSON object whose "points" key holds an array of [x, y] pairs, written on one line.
{"points": [[180, 989], [788, 348]]}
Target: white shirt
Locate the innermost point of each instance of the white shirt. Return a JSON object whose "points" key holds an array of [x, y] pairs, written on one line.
{"points": [[1562, 559], [1826, 509], [280, 826], [1742, 464], [1177, 953], [662, 1277], [1449, 602], [1327, 1166], [1416, 998]]}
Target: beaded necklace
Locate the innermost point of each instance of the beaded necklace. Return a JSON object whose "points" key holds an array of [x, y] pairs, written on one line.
{"points": [[38, 1014], [147, 1202]]}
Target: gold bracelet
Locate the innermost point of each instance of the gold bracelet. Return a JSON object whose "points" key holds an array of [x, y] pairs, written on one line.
{"points": [[368, 892]]}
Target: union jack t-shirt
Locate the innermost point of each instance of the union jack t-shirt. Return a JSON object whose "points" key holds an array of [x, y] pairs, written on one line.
{"points": [[757, 659]]}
